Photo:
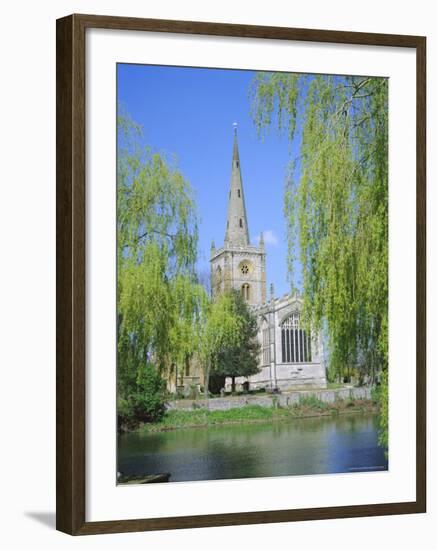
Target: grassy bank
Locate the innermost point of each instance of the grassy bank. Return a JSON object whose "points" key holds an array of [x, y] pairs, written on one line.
{"points": [[309, 407]]}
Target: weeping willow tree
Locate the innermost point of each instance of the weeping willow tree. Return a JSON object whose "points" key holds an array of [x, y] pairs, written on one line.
{"points": [[189, 300], [336, 209], [158, 297], [222, 328]]}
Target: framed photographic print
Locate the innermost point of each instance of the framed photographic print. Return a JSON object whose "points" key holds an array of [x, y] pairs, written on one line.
{"points": [[241, 278]]}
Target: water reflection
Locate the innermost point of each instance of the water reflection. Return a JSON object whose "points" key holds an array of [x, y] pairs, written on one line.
{"points": [[298, 447]]}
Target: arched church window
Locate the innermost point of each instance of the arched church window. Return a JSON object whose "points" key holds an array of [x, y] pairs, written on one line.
{"points": [[245, 291], [241, 222], [239, 194], [296, 342]]}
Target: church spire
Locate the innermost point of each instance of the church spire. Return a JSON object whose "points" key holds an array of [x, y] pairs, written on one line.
{"points": [[237, 231]]}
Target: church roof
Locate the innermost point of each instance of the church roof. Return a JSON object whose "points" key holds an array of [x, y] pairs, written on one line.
{"points": [[237, 230]]}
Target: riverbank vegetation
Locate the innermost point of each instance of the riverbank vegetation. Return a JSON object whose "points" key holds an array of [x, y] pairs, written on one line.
{"points": [[306, 408]]}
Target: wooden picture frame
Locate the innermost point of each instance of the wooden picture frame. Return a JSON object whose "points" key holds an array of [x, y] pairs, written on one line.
{"points": [[71, 283]]}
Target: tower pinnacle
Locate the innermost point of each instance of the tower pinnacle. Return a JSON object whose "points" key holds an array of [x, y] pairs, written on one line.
{"points": [[237, 231]]}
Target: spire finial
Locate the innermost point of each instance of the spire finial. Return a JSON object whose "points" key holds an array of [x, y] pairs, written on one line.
{"points": [[235, 155], [261, 239]]}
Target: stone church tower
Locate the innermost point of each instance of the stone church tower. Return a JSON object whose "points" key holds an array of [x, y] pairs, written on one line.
{"points": [[238, 264]]}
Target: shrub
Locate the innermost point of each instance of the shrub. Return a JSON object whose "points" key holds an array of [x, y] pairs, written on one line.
{"points": [[376, 395], [150, 399], [147, 403], [125, 415], [311, 401]]}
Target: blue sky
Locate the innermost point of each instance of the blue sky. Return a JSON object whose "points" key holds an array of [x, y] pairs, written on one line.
{"points": [[188, 113]]}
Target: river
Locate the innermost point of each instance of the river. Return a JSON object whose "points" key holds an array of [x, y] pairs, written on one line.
{"points": [[305, 446]]}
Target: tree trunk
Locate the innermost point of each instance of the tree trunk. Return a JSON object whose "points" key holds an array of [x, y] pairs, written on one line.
{"points": [[206, 385], [233, 384]]}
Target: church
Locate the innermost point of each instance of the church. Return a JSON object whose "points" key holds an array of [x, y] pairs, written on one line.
{"points": [[290, 357]]}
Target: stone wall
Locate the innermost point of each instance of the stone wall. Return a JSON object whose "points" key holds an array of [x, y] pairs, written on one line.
{"points": [[282, 399], [285, 377]]}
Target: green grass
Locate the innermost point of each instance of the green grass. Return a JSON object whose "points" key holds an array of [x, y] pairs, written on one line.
{"points": [[307, 407], [311, 402], [201, 417], [335, 386]]}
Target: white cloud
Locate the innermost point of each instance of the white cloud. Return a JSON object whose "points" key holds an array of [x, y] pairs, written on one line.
{"points": [[270, 237]]}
